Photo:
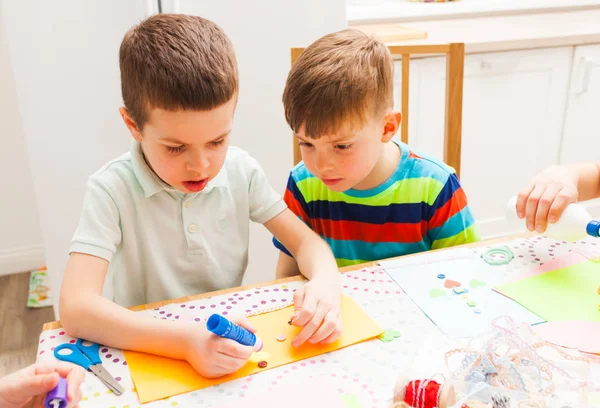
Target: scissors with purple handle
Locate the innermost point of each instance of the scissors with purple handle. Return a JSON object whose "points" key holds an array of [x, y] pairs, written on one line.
{"points": [[88, 357]]}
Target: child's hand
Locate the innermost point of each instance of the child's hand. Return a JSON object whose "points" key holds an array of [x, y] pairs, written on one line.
{"points": [[547, 196], [317, 309], [20, 388], [213, 356]]}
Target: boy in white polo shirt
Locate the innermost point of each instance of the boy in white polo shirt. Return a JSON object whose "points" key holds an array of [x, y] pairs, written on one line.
{"points": [[171, 217]]}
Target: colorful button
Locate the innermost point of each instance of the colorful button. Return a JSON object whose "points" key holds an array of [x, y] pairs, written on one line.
{"points": [[262, 364], [471, 303], [458, 290], [281, 337], [478, 311], [441, 276]]}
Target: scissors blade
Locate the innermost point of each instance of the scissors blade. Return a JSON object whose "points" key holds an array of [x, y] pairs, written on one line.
{"points": [[107, 379]]}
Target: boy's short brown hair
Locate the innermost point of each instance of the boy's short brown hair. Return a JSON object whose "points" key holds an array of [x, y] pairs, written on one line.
{"points": [[342, 77], [176, 62]]}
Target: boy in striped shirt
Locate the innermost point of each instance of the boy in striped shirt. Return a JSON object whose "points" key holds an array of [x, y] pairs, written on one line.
{"points": [[368, 196]]}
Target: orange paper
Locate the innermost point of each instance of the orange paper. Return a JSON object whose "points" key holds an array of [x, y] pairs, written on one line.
{"points": [[157, 377]]}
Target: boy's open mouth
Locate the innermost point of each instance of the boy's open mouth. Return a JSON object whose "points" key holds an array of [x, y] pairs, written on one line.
{"points": [[195, 185]]}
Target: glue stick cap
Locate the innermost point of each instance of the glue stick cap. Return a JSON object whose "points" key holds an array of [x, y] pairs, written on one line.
{"points": [[593, 228], [259, 344]]}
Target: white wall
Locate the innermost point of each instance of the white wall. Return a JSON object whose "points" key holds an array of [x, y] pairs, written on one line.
{"points": [[21, 247], [65, 64], [64, 58], [262, 33]]}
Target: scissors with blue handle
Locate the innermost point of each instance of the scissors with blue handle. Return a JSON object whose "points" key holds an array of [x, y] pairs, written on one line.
{"points": [[88, 357]]}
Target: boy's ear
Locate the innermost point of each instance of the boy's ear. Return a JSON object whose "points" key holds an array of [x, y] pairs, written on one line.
{"points": [[130, 123], [391, 124]]}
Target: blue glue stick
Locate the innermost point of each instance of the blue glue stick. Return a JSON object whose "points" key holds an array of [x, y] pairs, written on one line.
{"points": [[220, 326], [57, 398]]}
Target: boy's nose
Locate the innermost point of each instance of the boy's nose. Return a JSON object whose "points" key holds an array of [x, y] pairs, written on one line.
{"points": [[323, 163], [198, 161]]}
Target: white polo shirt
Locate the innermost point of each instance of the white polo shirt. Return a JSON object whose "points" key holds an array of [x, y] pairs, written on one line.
{"points": [[163, 244]]}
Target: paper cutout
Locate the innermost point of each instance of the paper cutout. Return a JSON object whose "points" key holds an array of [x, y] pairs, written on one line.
{"points": [[437, 293], [449, 284], [565, 294], [576, 334], [389, 335], [570, 258], [157, 377], [350, 401], [476, 283], [451, 313], [320, 395]]}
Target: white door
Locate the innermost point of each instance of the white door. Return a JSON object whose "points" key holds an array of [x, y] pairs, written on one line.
{"points": [[513, 112], [581, 137]]}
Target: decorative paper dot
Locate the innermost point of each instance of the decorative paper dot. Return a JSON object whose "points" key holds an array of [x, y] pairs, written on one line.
{"points": [[389, 336], [281, 337]]}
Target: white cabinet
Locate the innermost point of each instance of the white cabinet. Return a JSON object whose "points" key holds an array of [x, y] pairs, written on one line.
{"points": [[513, 111], [581, 136]]}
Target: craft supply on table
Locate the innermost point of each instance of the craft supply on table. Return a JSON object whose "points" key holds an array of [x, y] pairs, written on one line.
{"points": [[151, 372], [442, 299], [57, 397], [421, 345], [568, 293], [424, 393], [509, 357], [88, 357], [223, 327], [574, 224]]}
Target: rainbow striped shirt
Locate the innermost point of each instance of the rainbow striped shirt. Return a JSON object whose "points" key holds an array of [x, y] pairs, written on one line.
{"points": [[422, 206]]}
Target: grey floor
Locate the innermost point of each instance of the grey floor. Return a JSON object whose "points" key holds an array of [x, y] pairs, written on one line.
{"points": [[20, 327]]}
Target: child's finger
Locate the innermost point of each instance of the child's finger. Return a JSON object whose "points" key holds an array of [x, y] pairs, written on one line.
{"points": [[310, 327], [336, 333], [544, 204], [305, 312], [531, 206], [74, 378], [522, 200], [27, 387], [562, 200], [74, 401], [327, 328], [233, 349], [244, 322], [298, 301], [228, 362]]}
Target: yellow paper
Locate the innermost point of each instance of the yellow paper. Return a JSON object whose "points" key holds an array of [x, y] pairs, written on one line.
{"points": [[157, 377]]}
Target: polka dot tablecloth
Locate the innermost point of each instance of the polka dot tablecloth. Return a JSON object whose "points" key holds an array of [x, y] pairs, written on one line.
{"points": [[367, 370]]}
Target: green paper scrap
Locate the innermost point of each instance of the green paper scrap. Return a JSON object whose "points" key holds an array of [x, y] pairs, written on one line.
{"points": [[350, 401], [565, 294]]}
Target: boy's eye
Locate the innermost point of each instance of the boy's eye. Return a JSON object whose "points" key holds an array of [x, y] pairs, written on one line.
{"points": [[343, 146], [174, 150], [305, 144], [218, 142]]}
